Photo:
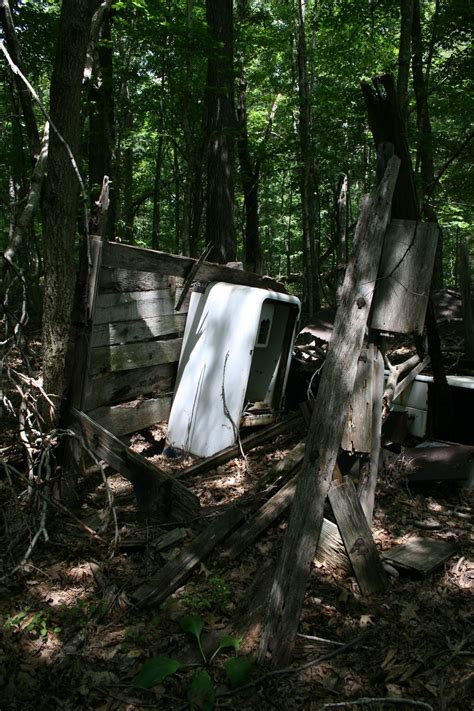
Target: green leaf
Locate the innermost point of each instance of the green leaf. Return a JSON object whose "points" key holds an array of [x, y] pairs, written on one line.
{"points": [[201, 693], [154, 671], [192, 625], [238, 670], [227, 642]]}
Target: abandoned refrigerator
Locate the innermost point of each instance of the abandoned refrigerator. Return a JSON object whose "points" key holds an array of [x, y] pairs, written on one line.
{"points": [[235, 356]]}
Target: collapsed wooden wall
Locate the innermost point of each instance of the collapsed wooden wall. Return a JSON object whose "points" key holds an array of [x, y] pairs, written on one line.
{"points": [[134, 333]]}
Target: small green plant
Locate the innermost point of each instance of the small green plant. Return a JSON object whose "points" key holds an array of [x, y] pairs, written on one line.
{"points": [[201, 693], [26, 620], [210, 594]]}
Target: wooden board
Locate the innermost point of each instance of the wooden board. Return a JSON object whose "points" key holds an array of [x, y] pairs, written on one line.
{"points": [[420, 554], [402, 290], [124, 256], [134, 355], [113, 280], [120, 386], [357, 537], [157, 493], [132, 416], [357, 435], [107, 334], [135, 305]]}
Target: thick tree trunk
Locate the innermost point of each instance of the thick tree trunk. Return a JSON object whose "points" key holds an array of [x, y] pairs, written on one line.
{"points": [[308, 200], [61, 188], [156, 218], [220, 228]]}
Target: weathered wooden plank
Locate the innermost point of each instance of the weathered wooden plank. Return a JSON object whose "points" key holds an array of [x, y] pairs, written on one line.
{"points": [[403, 384], [135, 305], [403, 286], [157, 493], [124, 256], [358, 431], [327, 424], [357, 537], [420, 554], [134, 355], [116, 280], [108, 334], [132, 416], [113, 388]]}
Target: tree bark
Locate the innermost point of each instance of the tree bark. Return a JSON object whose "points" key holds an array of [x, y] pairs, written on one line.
{"points": [[220, 228], [404, 55], [61, 188], [308, 200]]}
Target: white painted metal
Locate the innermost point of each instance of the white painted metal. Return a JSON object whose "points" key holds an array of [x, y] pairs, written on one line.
{"points": [[231, 354]]}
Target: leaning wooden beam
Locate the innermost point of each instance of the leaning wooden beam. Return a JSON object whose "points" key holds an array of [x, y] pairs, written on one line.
{"points": [[123, 256], [327, 424], [157, 493], [254, 440], [403, 384], [177, 571]]}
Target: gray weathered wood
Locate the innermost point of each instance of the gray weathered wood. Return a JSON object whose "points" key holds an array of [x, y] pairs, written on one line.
{"points": [[357, 537], [123, 256], [420, 554], [134, 355], [107, 334], [113, 280], [357, 435], [403, 286], [95, 253], [403, 384], [157, 493], [132, 416], [135, 305], [327, 424], [370, 467], [120, 386]]}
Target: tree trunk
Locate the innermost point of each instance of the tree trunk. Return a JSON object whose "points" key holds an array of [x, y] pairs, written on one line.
{"points": [[102, 122], [61, 188], [465, 283], [308, 201], [220, 228], [404, 54], [156, 218]]}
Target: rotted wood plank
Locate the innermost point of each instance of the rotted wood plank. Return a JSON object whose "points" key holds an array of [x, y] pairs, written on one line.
{"points": [[157, 493], [120, 386], [135, 305], [108, 334], [134, 355], [403, 285], [124, 256], [357, 537], [132, 416], [117, 280]]}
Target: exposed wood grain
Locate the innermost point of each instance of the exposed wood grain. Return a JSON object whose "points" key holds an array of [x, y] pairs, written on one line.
{"points": [[157, 493], [107, 334], [123, 256], [135, 305], [113, 280], [95, 253], [327, 424], [113, 388], [132, 416], [358, 430], [403, 286], [357, 537], [134, 355], [403, 384]]}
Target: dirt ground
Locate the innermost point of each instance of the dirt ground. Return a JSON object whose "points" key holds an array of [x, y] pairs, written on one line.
{"points": [[72, 637]]}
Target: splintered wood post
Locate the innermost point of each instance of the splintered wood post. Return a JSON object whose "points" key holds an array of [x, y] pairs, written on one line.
{"points": [[370, 467], [327, 424]]}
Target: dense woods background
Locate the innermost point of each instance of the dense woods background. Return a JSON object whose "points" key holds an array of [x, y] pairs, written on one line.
{"points": [[277, 85]]}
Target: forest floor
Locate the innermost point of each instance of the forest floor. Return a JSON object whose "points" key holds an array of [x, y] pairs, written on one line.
{"points": [[73, 639]]}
